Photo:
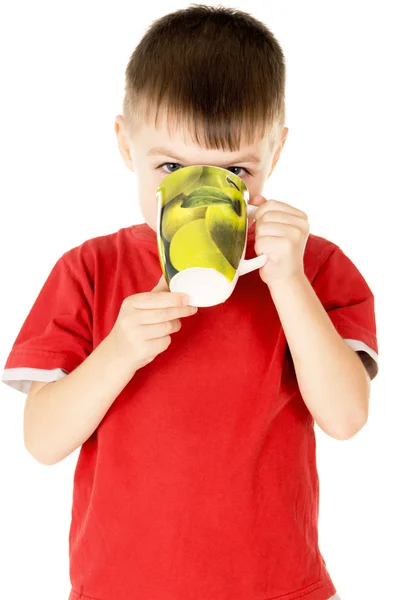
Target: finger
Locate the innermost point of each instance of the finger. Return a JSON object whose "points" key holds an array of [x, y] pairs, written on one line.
{"points": [[279, 206], [257, 200], [157, 346], [274, 247], [161, 285], [278, 230], [159, 330], [161, 315], [151, 300], [278, 216]]}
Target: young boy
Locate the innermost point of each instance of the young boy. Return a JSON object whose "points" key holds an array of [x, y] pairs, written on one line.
{"points": [[197, 478]]}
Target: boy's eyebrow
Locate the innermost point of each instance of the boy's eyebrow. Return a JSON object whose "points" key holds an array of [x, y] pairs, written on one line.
{"points": [[160, 150]]}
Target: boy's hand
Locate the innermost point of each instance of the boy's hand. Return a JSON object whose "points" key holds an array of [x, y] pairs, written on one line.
{"points": [[281, 234], [146, 321]]}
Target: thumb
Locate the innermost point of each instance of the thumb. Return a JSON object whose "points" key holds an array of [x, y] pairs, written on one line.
{"points": [[161, 285], [257, 200]]}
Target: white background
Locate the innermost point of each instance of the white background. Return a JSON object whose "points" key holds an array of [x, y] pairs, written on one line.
{"points": [[63, 181]]}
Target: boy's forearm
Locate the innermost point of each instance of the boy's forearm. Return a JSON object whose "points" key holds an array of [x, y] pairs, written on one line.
{"points": [[331, 377], [63, 414]]}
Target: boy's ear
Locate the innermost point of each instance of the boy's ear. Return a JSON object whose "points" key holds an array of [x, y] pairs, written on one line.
{"points": [[279, 149], [123, 142]]}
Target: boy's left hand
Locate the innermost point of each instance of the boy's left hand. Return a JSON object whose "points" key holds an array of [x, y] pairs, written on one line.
{"points": [[281, 234]]}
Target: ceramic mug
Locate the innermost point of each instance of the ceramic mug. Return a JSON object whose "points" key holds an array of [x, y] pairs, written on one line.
{"points": [[202, 228]]}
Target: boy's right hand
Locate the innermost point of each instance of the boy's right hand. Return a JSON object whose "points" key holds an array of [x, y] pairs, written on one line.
{"points": [[146, 321]]}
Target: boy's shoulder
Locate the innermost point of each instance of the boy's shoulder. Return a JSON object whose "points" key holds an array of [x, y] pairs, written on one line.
{"points": [[331, 271], [317, 251], [109, 247]]}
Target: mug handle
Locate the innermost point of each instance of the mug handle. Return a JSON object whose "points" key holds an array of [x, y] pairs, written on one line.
{"points": [[247, 266]]}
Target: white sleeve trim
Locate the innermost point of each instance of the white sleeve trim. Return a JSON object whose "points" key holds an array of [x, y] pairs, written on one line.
{"points": [[372, 365], [21, 378], [358, 345]]}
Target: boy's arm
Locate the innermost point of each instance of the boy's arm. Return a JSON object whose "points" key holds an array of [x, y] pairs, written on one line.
{"points": [[332, 379], [61, 415]]}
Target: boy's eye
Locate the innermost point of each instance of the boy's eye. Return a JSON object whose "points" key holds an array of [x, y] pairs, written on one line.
{"points": [[170, 167], [232, 169]]}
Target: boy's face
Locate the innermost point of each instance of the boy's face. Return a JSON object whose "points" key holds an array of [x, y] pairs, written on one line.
{"points": [[153, 153]]}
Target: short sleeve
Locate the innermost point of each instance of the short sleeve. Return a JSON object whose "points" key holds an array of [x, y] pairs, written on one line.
{"points": [[56, 336], [349, 302]]}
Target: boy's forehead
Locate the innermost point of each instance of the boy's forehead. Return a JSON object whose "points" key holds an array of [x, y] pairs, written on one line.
{"points": [[178, 144]]}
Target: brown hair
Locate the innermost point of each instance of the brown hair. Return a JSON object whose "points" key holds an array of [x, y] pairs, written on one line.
{"points": [[216, 70]]}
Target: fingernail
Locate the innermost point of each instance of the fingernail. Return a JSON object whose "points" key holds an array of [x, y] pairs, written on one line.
{"points": [[185, 300]]}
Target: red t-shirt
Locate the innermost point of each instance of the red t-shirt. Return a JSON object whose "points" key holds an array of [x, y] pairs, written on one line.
{"points": [[200, 483]]}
